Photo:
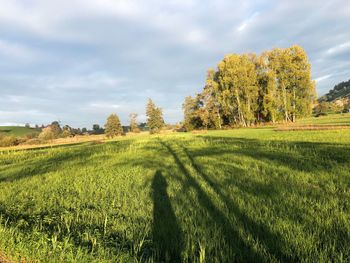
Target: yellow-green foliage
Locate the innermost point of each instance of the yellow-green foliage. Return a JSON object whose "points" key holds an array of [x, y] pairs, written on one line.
{"points": [[249, 195]]}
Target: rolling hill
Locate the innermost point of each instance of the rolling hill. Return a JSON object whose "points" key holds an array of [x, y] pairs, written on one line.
{"points": [[17, 130], [340, 91]]}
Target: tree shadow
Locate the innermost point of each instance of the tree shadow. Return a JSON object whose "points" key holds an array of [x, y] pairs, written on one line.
{"points": [[297, 155], [273, 242], [167, 236], [239, 249], [79, 155]]}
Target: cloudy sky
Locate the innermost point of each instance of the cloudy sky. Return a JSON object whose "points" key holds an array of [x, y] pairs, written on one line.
{"points": [[77, 61]]}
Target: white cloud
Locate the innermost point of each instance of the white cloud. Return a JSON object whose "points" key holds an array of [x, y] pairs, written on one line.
{"points": [[319, 79], [339, 48]]}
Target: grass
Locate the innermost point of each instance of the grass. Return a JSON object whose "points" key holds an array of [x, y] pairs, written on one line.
{"points": [[248, 195], [17, 131], [331, 119]]}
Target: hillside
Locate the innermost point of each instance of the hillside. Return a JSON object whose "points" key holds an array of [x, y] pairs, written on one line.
{"points": [[340, 91], [17, 131]]}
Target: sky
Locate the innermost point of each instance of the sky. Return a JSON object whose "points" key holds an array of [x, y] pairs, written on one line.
{"points": [[77, 61]]}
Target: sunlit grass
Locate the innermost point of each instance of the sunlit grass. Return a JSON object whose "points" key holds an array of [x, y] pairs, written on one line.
{"points": [[246, 195]]}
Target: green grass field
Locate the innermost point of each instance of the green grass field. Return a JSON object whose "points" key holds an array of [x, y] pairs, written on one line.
{"points": [[17, 131], [248, 195], [332, 119]]}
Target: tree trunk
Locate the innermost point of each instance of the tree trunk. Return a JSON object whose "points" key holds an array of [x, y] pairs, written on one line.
{"points": [[293, 120], [286, 115]]}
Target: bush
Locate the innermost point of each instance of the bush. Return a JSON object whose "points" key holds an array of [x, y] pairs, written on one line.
{"points": [[6, 141], [31, 136], [47, 134]]}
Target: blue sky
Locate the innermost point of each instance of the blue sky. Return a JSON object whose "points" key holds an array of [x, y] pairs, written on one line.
{"points": [[77, 61]]}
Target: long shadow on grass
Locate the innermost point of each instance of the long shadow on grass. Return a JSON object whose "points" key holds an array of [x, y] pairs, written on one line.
{"points": [[238, 247], [272, 242], [167, 236], [57, 161], [300, 156]]}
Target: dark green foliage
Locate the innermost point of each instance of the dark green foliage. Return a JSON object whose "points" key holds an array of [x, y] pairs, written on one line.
{"points": [[96, 129], [155, 120], [113, 127], [341, 90], [192, 119]]}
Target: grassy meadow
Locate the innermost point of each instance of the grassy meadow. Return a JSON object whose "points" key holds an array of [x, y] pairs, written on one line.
{"points": [[247, 195], [17, 131]]}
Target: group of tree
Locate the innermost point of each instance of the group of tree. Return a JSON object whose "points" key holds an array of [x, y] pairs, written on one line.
{"points": [[54, 131], [248, 89], [155, 122]]}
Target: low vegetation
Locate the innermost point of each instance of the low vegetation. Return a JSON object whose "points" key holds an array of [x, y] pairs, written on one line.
{"points": [[247, 194]]}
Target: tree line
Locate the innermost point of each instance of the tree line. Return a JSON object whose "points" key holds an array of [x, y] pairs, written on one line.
{"points": [[248, 89], [112, 127]]}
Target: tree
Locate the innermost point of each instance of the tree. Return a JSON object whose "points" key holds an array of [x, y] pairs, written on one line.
{"points": [[238, 87], [113, 127], [47, 134], [27, 125], [84, 130], [192, 119], [154, 115], [246, 89], [56, 128], [67, 131], [133, 122], [210, 108], [96, 129]]}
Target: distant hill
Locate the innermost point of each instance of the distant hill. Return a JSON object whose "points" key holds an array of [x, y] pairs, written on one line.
{"points": [[17, 131], [340, 91]]}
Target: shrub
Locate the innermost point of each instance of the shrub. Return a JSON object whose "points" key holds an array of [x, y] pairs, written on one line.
{"points": [[6, 141], [47, 134]]}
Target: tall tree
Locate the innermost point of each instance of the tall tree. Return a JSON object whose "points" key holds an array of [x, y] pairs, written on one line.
{"points": [[67, 131], [133, 122], [247, 88], [56, 129], [192, 119], [155, 120], [238, 88], [210, 107], [113, 127]]}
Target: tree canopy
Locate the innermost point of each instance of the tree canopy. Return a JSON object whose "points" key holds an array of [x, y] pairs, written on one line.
{"points": [[154, 114], [113, 127], [247, 89]]}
